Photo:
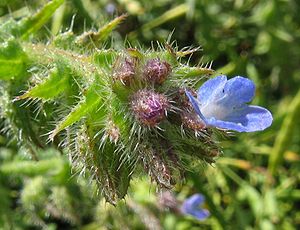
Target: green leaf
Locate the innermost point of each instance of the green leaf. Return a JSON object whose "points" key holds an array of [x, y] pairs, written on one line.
{"points": [[105, 58], [120, 172], [102, 34], [55, 84], [6, 29], [32, 24], [12, 60], [184, 71], [254, 198], [283, 138], [64, 40], [92, 101], [57, 19], [169, 15], [270, 203]]}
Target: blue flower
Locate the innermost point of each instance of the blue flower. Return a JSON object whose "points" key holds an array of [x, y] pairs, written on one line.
{"points": [[222, 103], [191, 206]]}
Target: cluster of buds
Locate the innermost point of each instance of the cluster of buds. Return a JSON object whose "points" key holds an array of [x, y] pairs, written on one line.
{"points": [[155, 71], [149, 107]]}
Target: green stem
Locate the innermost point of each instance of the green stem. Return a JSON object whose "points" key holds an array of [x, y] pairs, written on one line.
{"points": [[285, 134], [212, 207]]}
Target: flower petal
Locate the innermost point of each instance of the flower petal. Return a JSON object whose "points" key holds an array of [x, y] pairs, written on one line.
{"points": [[211, 89], [195, 105], [200, 214], [194, 201], [192, 207], [237, 91], [245, 119]]}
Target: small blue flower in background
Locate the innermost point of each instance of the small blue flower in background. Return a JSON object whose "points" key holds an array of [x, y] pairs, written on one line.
{"points": [[222, 103], [191, 206]]}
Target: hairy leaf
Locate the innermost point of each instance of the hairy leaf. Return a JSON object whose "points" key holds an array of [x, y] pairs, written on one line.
{"points": [[12, 60], [91, 101]]}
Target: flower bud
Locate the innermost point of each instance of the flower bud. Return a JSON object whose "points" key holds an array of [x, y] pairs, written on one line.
{"points": [[124, 71], [149, 107], [158, 167], [156, 71], [167, 200], [192, 121], [181, 100], [112, 131]]}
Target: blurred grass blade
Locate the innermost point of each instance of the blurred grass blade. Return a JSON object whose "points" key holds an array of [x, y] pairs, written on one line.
{"points": [[270, 203], [285, 134], [242, 164], [12, 60], [227, 69], [57, 20], [102, 34], [106, 30], [32, 24], [83, 11], [167, 16], [254, 198], [31, 168]]}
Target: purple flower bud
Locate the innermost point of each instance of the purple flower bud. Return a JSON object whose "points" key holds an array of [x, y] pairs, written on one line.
{"points": [[149, 107], [110, 8], [157, 71], [124, 71]]}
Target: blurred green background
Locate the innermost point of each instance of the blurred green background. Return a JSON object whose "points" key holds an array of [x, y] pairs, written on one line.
{"points": [[253, 185]]}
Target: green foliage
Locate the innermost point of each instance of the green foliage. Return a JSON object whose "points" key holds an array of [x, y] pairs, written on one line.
{"points": [[31, 24], [12, 60], [61, 91], [286, 131], [89, 95], [49, 192]]}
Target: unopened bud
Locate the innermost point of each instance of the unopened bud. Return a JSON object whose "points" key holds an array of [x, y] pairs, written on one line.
{"points": [[113, 132], [192, 121], [182, 100], [167, 200], [157, 71], [149, 107], [124, 71], [157, 167]]}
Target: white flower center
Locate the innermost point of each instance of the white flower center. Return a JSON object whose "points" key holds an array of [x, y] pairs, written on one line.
{"points": [[217, 111]]}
